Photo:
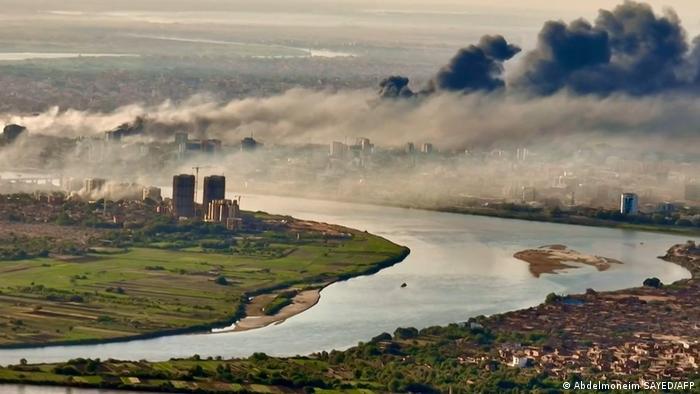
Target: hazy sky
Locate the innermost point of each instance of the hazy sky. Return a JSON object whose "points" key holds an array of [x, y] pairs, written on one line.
{"points": [[533, 12], [587, 7]]}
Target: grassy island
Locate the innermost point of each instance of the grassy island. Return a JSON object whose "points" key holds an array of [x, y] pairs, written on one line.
{"points": [[65, 281]]}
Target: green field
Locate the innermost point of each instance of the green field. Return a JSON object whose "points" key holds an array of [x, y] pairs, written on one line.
{"points": [[140, 291], [255, 375]]}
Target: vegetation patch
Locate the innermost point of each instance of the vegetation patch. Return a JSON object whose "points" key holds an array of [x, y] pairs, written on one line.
{"points": [[163, 276]]}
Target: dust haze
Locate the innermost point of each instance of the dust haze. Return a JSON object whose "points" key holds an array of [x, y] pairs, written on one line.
{"points": [[624, 117]]}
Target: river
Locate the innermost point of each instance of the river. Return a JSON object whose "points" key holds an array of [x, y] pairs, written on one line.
{"points": [[460, 266]]}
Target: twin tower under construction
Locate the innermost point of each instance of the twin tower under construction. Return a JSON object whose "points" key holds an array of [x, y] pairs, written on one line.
{"points": [[215, 207]]}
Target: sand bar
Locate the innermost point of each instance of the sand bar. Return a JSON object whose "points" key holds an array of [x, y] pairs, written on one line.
{"points": [[552, 258], [256, 317]]}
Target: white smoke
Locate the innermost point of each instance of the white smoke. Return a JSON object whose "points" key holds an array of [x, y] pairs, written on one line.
{"points": [[447, 120]]}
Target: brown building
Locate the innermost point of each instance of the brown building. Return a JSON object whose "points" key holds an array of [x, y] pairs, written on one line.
{"points": [[220, 211]]}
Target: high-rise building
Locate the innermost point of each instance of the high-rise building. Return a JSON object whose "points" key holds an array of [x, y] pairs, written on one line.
{"points": [[235, 211], [521, 154], [93, 185], [181, 138], [152, 193], [214, 189], [629, 204], [113, 136], [365, 145], [529, 194], [692, 192], [208, 146], [183, 195], [211, 146], [427, 148], [410, 148], [248, 144], [338, 149]]}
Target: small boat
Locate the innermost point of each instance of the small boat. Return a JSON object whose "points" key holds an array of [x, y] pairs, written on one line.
{"points": [[403, 285]]}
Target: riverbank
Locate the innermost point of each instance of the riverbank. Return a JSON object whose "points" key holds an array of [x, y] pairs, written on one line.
{"points": [[570, 220], [639, 334], [532, 216], [255, 312], [163, 288]]}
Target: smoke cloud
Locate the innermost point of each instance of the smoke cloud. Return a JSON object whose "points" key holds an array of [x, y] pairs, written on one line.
{"points": [[394, 87], [627, 50], [475, 68], [449, 120]]}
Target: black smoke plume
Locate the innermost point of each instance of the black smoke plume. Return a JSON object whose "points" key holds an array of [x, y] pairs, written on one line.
{"points": [[395, 87], [475, 68], [628, 50]]}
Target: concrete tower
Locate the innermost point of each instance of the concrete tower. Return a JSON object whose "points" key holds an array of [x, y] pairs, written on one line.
{"points": [[214, 189], [183, 195]]}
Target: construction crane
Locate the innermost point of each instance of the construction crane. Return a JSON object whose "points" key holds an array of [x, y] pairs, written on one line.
{"points": [[196, 179]]}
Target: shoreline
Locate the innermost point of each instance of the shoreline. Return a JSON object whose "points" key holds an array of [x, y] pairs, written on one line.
{"points": [[305, 300], [502, 214], [207, 328], [506, 215]]}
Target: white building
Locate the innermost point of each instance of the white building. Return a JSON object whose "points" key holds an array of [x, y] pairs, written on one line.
{"points": [[519, 362], [365, 145]]}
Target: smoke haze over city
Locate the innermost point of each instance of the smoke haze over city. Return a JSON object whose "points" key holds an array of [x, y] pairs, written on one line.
{"points": [[622, 84]]}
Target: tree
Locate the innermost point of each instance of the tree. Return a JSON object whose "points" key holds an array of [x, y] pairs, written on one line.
{"points": [[658, 218], [63, 219], [405, 333], [653, 282], [552, 298], [259, 356], [382, 337], [684, 222]]}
